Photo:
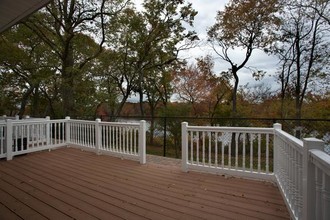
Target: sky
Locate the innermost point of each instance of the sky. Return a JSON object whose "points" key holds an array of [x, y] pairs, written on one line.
{"points": [[207, 10]]}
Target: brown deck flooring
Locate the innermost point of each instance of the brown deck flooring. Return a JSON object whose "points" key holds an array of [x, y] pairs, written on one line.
{"points": [[72, 184]]}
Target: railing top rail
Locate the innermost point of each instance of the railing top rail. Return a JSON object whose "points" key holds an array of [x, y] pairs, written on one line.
{"points": [[30, 121], [124, 124], [81, 121], [231, 129], [20, 122], [321, 160], [297, 143], [223, 118], [121, 124], [58, 120]]}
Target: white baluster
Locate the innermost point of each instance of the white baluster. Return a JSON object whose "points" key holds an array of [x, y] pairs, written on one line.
{"points": [[191, 147], [229, 151], [203, 159], [222, 153], [135, 140], [326, 196], [244, 150], [251, 152], [216, 149], [210, 150], [318, 193], [197, 150], [131, 140], [267, 153], [236, 150], [259, 153]]}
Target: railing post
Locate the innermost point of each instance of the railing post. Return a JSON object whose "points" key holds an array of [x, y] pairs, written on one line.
{"points": [[276, 126], [48, 130], [184, 136], [309, 187], [142, 142], [67, 130], [9, 139], [97, 136]]}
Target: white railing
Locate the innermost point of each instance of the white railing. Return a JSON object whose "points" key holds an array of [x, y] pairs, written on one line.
{"points": [[302, 171], [317, 201], [229, 150], [301, 168], [3, 134], [82, 133], [56, 133], [26, 136], [126, 140], [118, 138], [289, 170]]}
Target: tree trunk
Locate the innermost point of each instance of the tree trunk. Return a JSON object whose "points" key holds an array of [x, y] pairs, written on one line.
{"points": [[35, 111], [152, 130], [234, 107], [298, 84], [120, 107], [67, 87], [234, 110], [282, 107], [152, 124], [24, 101], [298, 120], [141, 102]]}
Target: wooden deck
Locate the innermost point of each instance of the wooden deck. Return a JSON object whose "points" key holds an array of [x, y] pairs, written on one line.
{"points": [[72, 184]]}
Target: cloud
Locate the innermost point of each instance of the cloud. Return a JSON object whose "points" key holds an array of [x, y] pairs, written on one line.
{"points": [[207, 11]]}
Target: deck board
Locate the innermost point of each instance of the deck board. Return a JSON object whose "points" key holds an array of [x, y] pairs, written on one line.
{"points": [[70, 183]]}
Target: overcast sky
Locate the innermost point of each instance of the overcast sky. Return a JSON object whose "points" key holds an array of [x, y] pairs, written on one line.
{"points": [[207, 10]]}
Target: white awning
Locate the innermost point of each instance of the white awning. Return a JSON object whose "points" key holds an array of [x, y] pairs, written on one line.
{"points": [[12, 11]]}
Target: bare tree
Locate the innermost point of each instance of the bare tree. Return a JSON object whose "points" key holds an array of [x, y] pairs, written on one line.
{"points": [[246, 25], [303, 51]]}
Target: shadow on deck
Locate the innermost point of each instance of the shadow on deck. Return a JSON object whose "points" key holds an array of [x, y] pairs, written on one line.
{"points": [[69, 183]]}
